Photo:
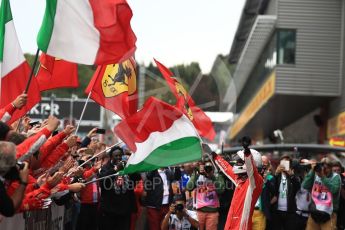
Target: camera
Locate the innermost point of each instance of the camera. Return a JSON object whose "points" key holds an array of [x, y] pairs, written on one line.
{"points": [[179, 207], [20, 165], [13, 173], [246, 141], [208, 168]]}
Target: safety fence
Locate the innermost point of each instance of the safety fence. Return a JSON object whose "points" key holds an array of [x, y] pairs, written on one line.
{"points": [[53, 218]]}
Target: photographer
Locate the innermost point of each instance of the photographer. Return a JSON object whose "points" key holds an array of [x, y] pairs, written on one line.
{"points": [[9, 170], [324, 186], [208, 186], [178, 217]]}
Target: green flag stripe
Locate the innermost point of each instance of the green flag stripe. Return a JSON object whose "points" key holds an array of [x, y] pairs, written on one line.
{"points": [[5, 16], [180, 151], [46, 30]]}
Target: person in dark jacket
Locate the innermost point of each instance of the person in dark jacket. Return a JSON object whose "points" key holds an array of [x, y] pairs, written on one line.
{"points": [[117, 194], [283, 202], [158, 195]]}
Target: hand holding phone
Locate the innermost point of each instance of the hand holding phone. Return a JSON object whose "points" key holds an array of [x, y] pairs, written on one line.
{"points": [[100, 131]]}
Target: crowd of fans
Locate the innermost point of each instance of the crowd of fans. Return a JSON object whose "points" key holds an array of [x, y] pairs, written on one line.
{"points": [[39, 166]]}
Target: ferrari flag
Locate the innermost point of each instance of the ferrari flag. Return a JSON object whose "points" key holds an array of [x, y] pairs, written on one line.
{"points": [[114, 87], [185, 102]]}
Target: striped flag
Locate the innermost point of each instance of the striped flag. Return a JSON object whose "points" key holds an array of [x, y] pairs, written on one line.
{"points": [[87, 31], [14, 68], [160, 135]]}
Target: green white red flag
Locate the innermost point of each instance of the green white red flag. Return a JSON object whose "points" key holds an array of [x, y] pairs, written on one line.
{"points": [[87, 31], [14, 68], [160, 135]]}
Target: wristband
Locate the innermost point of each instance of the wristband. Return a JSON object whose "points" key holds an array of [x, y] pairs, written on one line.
{"points": [[23, 183]]}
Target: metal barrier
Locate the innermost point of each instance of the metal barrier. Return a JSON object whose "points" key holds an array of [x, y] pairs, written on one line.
{"points": [[52, 218]]}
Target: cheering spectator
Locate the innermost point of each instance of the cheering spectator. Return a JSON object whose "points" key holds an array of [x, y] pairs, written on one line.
{"points": [[248, 185], [117, 194]]}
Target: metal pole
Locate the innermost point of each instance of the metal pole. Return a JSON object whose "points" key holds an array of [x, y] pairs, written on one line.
{"points": [[82, 113], [32, 72], [102, 178], [28, 84], [52, 98], [71, 110], [96, 155]]}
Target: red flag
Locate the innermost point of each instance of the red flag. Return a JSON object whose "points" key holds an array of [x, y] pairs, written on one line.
{"points": [[114, 87], [56, 73], [13, 84], [185, 102]]}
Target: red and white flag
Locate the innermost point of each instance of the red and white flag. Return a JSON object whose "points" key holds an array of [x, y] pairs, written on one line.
{"points": [[87, 31], [14, 68]]}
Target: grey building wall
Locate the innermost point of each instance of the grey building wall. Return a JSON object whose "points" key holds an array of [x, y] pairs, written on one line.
{"points": [[317, 68], [338, 105], [303, 130], [272, 8]]}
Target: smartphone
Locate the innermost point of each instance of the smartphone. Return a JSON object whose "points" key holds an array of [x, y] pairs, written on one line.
{"points": [[100, 131], [33, 123]]}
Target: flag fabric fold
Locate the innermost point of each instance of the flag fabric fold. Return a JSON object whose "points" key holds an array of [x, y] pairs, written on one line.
{"points": [[14, 68], [56, 73], [114, 87], [160, 135], [87, 31], [185, 102]]}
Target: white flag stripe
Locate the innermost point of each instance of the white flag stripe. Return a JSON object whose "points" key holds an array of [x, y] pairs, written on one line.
{"points": [[74, 19], [13, 54]]}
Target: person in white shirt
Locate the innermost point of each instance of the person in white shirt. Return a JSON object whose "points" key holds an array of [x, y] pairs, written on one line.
{"points": [[178, 217]]}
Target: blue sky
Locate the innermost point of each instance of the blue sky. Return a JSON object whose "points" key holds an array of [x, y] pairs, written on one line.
{"points": [[174, 32]]}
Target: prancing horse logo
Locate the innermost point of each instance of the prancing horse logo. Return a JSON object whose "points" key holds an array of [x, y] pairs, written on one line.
{"points": [[119, 78], [182, 92]]}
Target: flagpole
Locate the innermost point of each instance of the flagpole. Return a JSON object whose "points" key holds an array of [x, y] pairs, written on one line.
{"points": [[28, 83], [101, 178], [87, 101], [82, 113], [32, 71], [94, 156]]}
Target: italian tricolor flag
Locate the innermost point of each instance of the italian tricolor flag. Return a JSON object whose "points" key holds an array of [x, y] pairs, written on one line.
{"points": [[159, 135], [14, 69], [87, 31]]}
